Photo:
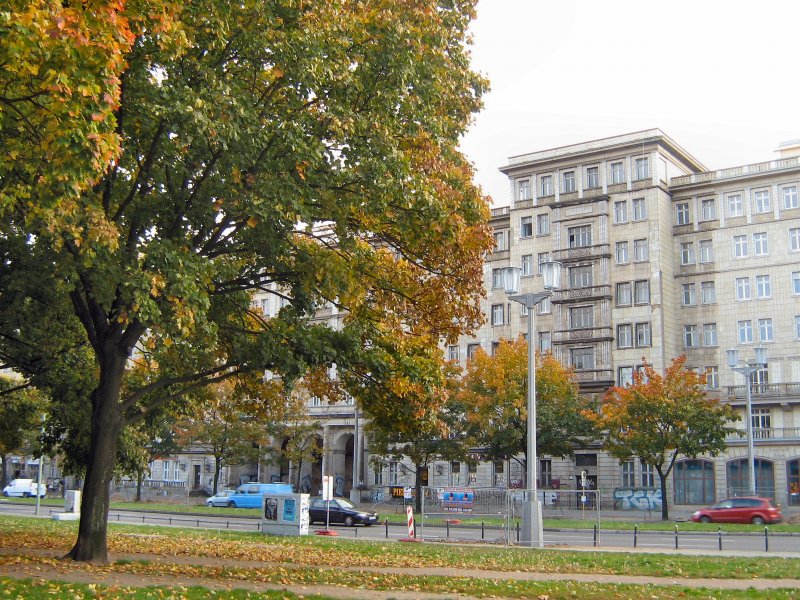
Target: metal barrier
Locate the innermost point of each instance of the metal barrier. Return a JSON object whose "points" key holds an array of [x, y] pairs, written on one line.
{"points": [[464, 513], [558, 504]]}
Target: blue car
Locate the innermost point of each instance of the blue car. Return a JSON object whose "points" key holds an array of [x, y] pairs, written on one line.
{"points": [[250, 495]]}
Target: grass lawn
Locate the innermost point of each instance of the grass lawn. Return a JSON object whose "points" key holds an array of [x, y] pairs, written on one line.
{"points": [[250, 558]]}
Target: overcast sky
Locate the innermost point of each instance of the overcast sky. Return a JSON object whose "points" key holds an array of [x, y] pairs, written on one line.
{"points": [[720, 78]]}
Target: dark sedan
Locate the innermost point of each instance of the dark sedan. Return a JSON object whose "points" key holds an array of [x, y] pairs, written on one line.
{"points": [[341, 511]]}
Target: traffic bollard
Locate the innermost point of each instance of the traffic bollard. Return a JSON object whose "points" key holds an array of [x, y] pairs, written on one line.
{"points": [[676, 537], [594, 541], [719, 536], [766, 538], [635, 535], [447, 523], [482, 531], [386, 524]]}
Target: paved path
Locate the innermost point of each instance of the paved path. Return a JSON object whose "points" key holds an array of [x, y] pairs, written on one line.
{"points": [[80, 573]]}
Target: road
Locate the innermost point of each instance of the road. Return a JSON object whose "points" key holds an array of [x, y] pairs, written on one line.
{"points": [[561, 538]]}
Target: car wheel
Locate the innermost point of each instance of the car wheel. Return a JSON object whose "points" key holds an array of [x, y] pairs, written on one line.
{"points": [[348, 520], [26, 494], [758, 520], [705, 519], [231, 504], [209, 504]]}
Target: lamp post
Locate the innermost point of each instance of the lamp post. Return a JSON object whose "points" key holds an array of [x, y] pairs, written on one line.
{"points": [[747, 369], [551, 273]]}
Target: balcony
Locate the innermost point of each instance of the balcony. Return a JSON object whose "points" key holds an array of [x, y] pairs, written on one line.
{"points": [[762, 434], [582, 253], [754, 169], [594, 292], [586, 334], [764, 390]]}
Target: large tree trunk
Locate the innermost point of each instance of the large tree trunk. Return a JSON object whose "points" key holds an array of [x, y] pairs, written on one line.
{"points": [[217, 469], [664, 507], [418, 489], [107, 423]]}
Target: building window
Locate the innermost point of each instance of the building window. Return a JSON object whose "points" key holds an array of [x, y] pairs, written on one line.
{"points": [[624, 376], [761, 201], [797, 327], [765, 333], [498, 314], [641, 290], [624, 296], [580, 277], [687, 253], [694, 482], [796, 282], [546, 182], [617, 173], [682, 213], [527, 264], [690, 336], [526, 227], [625, 336], [568, 178], [648, 475], [760, 247], [742, 288], [524, 189], [641, 250], [472, 350], [761, 419], [790, 197], [688, 296], [581, 317], [710, 334], [394, 472], [541, 258], [628, 473], [543, 308], [763, 287], [639, 209], [642, 168], [712, 378], [735, 205], [452, 353], [622, 253], [642, 335], [543, 224], [740, 246], [706, 251], [497, 279], [580, 237], [794, 239], [544, 341], [738, 477], [592, 177], [708, 209], [708, 292], [500, 241], [582, 358], [621, 212], [745, 329]]}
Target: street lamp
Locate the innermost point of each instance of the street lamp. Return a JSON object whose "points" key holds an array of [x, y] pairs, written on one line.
{"points": [[747, 369], [551, 273]]}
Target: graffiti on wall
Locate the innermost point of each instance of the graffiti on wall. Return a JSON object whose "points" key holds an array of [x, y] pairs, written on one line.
{"points": [[637, 499], [338, 485]]}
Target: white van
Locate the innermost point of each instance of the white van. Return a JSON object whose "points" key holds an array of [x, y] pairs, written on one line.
{"points": [[24, 488]]}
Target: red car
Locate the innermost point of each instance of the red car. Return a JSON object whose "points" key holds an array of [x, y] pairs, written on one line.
{"points": [[745, 509]]}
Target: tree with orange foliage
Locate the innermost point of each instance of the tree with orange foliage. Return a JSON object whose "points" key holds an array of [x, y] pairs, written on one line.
{"points": [[659, 418], [494, 390]]}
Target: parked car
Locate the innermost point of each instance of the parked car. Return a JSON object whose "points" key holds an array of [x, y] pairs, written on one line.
{"points": [[24, 488], [341, 511], [744, 509], [250, 495], [220, 498]]}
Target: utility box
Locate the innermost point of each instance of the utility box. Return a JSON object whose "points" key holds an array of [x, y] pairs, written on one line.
{"points": [[72, 507], [285, 514]]}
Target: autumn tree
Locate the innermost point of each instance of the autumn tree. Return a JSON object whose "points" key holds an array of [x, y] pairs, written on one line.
{"points": [[494, 391], [302, 445], [661, 417], [21, 410], [432, 428], [233, 428], [306, 150]]}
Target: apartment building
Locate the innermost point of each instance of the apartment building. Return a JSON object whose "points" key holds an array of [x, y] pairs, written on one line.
{"points": [[660, 257]]}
